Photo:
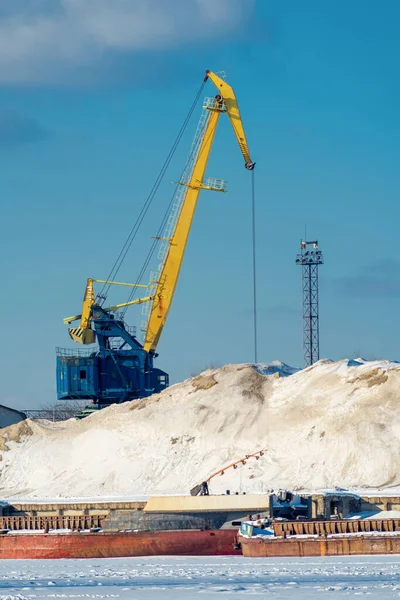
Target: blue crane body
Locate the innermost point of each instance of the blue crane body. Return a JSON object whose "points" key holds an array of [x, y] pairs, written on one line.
{"points": [[120, 368]]}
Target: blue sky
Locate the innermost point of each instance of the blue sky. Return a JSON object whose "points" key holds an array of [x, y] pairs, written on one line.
{"points": [[91, 99]]}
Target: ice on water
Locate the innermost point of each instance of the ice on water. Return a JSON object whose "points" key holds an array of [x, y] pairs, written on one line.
{"points": [[179, 578]]}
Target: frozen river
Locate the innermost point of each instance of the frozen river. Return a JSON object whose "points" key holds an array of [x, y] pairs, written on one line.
{"points": [[213, 577]]}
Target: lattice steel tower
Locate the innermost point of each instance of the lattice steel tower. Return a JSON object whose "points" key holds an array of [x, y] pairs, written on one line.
{"points": [[310, 261]]}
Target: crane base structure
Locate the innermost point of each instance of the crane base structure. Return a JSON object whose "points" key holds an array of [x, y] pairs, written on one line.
{"points": [[117, 370]]}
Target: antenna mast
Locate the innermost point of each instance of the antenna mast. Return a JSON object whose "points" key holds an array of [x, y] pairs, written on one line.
{"points": [[310, 260]]}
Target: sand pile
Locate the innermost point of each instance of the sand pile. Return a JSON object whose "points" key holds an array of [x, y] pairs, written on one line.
{"points": [[333, 424]]}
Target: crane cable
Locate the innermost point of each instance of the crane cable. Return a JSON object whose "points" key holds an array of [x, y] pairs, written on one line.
{"points": [[254, 265], [253, 223], [102, 295], [145, 265], [158, 235]]}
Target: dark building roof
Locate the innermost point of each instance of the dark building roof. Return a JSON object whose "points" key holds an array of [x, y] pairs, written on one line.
{"points": [[19, 412]]}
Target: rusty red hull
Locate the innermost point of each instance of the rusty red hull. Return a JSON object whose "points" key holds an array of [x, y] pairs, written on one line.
{"points": [[106, 545], [334, 546]]}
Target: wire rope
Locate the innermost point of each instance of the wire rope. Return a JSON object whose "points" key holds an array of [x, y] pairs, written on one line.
{"points": [[253, 218], [133, 232], [159, 233]]}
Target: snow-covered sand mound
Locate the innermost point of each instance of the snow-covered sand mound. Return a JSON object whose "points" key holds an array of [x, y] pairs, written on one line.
{"points": [[333, 424]]}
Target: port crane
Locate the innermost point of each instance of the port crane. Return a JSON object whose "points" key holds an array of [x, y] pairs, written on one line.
{"points": [[121, 368]]}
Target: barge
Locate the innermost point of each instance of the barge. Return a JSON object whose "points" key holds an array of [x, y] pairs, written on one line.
{"points": [[167, 525], [59, 544], [335, 545], [320, 538]]}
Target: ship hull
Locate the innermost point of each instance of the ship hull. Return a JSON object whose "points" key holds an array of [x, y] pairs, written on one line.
{"points": [[320, 546], [113, 545]]}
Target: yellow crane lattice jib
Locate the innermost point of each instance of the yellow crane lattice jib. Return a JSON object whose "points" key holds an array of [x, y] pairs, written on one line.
{"points": [[114, 308], [138, 285], [172, 265], [197, 186], [131, 303], [232, 108], [225, 101]]}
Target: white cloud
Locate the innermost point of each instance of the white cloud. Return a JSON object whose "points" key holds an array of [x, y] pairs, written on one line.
{"points": [[44, 40]]}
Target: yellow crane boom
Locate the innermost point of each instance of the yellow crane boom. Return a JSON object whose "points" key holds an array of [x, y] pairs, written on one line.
{"points": [[84, 334], [224, 102]]}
